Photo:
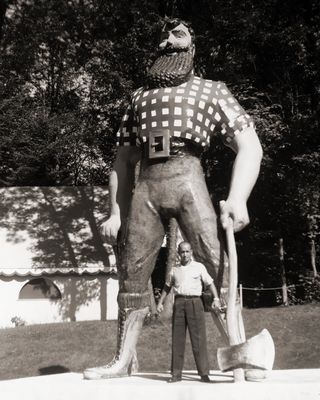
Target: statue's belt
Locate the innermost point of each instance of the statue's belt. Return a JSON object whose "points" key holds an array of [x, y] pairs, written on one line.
{"points": [[161, 144]]}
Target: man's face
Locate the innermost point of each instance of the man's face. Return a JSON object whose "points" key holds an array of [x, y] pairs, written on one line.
{"points": [[176, 38], [185, 253]]}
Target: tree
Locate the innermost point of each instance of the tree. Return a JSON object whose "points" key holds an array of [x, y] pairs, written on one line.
{"points": [[65, 83]]}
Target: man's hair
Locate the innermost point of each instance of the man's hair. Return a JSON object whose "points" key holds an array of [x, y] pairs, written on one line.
{"points": [[171, 23], [184, 242]]}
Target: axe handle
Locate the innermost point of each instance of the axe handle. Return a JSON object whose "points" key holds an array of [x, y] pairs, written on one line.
{"points": [[231, 316], [220, 324], [233, 281]]}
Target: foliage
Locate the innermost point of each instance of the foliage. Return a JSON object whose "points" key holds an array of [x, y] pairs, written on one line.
{"points": [[306, 291], [18, 321]]}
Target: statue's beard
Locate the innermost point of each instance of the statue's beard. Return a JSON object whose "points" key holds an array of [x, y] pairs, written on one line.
{"points": [[170, 69]]}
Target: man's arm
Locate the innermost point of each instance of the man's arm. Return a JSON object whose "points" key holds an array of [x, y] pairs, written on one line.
{"points": [[208, 284], [216, 300], [212, 288], [244, 175], [121, 183]]}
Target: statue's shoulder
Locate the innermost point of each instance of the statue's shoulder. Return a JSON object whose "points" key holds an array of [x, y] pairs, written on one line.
{"points": [[212, 83], [137, 92]]}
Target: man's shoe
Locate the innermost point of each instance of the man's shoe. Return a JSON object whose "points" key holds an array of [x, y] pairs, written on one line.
{"points": [[174, 378], [205, 378]]}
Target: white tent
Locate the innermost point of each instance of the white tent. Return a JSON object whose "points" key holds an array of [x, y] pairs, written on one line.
{"points": [[38, 282]]}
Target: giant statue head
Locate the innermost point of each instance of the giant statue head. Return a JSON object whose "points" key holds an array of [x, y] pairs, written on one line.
{"points": [[174, 64]]}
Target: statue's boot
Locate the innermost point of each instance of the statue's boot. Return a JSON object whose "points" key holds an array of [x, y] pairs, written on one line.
{"points": [[125, 362]]}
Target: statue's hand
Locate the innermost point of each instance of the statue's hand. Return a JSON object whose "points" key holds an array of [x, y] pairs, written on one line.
{"points": [[110, 228], [160, 308], [237, 211]]}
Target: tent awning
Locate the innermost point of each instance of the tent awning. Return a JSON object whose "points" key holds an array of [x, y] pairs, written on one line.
{"points": [[91, 270]]}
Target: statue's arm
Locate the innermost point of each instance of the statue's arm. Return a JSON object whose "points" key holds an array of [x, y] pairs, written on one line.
{"points": [[121, 183], [164, 294], [244, 175]]}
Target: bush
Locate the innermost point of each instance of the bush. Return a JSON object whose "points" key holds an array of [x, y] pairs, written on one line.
{"points": [[311, 288], [307, 290], [17, 321]]}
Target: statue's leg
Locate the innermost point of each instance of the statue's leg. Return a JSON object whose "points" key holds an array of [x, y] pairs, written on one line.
{"points": [[143, 240], [199, 224]]}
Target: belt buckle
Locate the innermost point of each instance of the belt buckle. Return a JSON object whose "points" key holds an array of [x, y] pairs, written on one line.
{"points": [[159, 144]]}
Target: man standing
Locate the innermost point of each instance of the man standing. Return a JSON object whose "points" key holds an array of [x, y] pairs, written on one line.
{"points": [[187, 281], [167, 125]]}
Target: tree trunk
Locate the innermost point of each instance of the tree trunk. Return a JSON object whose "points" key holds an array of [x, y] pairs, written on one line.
{"points": [[3, 10], [283, 274], [313, 257], [103, 297]]}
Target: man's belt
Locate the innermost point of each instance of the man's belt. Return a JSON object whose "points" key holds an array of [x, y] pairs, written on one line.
{"points": [[161, 144], [182, 296]]}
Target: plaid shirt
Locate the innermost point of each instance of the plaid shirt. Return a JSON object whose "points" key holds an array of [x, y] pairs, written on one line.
{"points": [[194, 110]]}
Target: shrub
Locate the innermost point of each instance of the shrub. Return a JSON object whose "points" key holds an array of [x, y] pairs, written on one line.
{"points": [[17, 321]]}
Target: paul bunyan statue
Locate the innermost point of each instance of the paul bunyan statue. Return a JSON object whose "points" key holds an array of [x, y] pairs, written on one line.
{"points": [[167, 124]]}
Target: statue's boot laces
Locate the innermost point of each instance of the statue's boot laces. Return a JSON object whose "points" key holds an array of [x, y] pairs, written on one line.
{"points": [[125, 361]]}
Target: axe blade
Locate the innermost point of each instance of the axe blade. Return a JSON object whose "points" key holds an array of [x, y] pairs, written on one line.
{"points": [[256, 353]]}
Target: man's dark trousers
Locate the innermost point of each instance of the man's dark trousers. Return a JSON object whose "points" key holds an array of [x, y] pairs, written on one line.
{"points": [[189, 312]]}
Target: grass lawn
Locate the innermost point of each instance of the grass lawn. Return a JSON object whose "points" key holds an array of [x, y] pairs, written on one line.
{"points": [[51, 348]]}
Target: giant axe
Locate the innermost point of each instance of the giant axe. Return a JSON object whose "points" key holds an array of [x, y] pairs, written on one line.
{"points": [[254, 355]]}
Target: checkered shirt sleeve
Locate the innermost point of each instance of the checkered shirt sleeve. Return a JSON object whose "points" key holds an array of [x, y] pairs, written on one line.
{"points": [[232, 117], [127, 134]]}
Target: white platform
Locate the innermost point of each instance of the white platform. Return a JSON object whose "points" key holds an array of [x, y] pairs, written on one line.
{"points": [[281, 384]]}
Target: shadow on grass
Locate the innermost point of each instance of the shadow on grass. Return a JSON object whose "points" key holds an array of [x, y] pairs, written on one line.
{"points": [[53, 369]]}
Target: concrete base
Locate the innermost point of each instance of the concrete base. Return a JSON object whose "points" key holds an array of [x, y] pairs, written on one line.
{"points": [[281, 384]]}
